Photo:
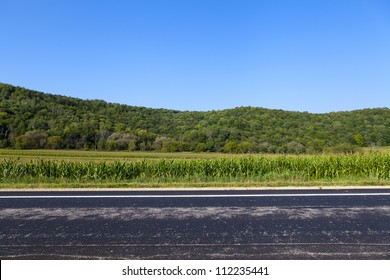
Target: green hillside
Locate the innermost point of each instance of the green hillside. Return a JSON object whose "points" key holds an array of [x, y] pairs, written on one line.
{"points": [[35, 120]]}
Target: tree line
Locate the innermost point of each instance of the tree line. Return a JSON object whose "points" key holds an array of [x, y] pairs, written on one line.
{"points": [[36, 120]]}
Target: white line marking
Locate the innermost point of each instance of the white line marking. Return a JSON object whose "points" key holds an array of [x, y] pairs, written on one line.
{"points": [[199, 245], [192, 195]]}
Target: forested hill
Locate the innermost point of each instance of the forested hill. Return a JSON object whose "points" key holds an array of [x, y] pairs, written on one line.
{"points": [[35, 120]]}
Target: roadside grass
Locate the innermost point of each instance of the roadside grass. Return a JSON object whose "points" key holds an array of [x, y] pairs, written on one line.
{"points": [[169, 184]]}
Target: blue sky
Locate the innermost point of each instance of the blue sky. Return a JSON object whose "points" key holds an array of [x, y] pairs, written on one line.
{"points": [[303, 55]]}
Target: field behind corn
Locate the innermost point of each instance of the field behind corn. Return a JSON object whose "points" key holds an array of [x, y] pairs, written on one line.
{"points": [[80, 169]]}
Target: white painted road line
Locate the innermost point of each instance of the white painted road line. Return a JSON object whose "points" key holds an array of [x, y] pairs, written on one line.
{"points": [[200, 245], [192, 195]]}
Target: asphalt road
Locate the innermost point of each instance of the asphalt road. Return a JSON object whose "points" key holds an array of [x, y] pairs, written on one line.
{"points": [[323, 224]]}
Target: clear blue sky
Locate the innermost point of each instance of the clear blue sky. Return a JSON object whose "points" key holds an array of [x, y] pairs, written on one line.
{"points": [[302, 55]]}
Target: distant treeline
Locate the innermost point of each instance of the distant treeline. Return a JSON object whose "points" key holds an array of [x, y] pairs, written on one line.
{"points": [[35, 120]]}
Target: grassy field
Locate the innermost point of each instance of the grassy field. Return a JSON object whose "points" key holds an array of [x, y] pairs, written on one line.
{"points": [[385, 149], [89, 169], [103, 156]]}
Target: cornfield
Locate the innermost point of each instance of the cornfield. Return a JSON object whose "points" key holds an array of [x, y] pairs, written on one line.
{"points": [[252, 167]]}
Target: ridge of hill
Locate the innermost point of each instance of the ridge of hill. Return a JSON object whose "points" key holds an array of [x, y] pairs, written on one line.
{"points": [[34, 120]]}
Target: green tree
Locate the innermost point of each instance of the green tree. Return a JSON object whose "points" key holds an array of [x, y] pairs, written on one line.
{"points": [[359, 140], [32, 140], [54, 142]]}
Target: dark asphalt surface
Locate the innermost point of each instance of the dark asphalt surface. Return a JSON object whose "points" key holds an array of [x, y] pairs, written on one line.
{"points": [[328, 226]]}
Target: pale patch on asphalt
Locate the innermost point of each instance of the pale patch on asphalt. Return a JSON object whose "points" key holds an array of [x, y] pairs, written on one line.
{"points": [[214, 213]]}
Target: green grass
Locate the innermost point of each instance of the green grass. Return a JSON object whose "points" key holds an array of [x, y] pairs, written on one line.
{"points": [[385, 149], [124, 169], [99, 156]]}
